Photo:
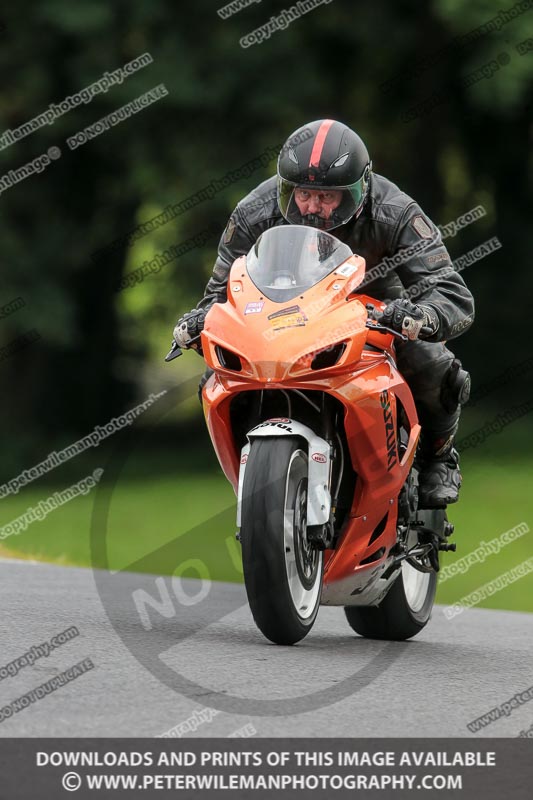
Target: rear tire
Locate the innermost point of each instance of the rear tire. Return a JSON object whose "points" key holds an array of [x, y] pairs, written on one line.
{"points": [[403, 612], [282, 572]]}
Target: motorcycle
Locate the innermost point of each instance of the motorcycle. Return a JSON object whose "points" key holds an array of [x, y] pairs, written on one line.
{"points": [[317, 431]]}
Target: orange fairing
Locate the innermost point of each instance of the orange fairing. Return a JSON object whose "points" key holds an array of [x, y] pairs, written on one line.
{"points": [[277, 341], [256, 343]]}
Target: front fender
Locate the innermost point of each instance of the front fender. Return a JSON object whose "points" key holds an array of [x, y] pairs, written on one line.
{"points": [[319, 451]]}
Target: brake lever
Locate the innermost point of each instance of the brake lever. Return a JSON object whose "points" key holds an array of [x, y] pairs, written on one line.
{"points": [[174, 352], [382, 328]]}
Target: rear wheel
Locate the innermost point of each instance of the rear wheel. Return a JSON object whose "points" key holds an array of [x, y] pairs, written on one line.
{"points": [[282, 570], [407, 606]]}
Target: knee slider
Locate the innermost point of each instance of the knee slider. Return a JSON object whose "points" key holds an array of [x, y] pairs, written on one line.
{"points": [[455, 389]]}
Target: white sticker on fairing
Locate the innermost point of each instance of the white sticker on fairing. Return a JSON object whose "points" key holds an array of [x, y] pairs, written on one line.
{"points": [[346, 270], [254, 308]]}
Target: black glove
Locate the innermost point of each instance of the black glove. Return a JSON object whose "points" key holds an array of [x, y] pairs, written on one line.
{"points": [[188, 328], [409, 319]]}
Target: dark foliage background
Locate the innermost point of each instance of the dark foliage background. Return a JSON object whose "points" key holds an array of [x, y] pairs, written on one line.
{"points": [[101, 350]]}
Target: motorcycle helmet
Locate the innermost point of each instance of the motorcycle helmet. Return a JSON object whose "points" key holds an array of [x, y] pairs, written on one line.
{"points": [[328, 157]]}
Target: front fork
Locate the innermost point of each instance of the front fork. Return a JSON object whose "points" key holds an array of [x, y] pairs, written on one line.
{"points": [[322, 536]]}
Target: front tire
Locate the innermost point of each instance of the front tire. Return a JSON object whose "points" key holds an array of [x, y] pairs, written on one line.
{"points": [[282, 571]]}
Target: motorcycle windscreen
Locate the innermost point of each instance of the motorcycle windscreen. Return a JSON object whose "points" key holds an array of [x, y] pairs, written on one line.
{"points": [[287, 260]]}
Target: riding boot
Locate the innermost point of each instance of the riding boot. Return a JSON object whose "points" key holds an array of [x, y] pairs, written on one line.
{"points": [[439, 478]]}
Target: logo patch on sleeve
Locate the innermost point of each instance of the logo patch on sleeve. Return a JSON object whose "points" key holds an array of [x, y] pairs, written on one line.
{"points": [[421, 227], [437, 258], [228, 233]]}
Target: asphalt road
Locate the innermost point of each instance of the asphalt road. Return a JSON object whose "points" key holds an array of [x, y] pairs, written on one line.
{"points": [[332, 684]]}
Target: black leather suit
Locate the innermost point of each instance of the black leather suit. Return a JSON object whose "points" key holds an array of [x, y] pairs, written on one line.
{"points": [[389, 223]]}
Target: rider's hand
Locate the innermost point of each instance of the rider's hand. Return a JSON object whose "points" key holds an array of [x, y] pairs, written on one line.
{"points": [[188, 327], [409, 319]]}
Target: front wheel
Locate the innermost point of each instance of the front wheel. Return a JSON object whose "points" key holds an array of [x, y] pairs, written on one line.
{"points": [[282, 570], [403, 612]]}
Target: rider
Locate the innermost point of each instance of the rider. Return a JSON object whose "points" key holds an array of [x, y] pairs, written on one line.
{"points": [[325, 179]]}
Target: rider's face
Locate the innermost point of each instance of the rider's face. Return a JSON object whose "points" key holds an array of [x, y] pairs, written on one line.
{"points": [[318, 202]]}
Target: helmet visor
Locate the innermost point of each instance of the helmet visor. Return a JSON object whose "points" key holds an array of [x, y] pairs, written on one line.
{"points": [[323, 207]]}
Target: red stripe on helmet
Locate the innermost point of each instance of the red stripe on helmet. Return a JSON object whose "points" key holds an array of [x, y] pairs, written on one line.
{"points": [[319, 142]]}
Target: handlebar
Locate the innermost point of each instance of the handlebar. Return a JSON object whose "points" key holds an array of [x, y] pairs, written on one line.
{"points": [[384, 329], [381, 328], [176, 350]]}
